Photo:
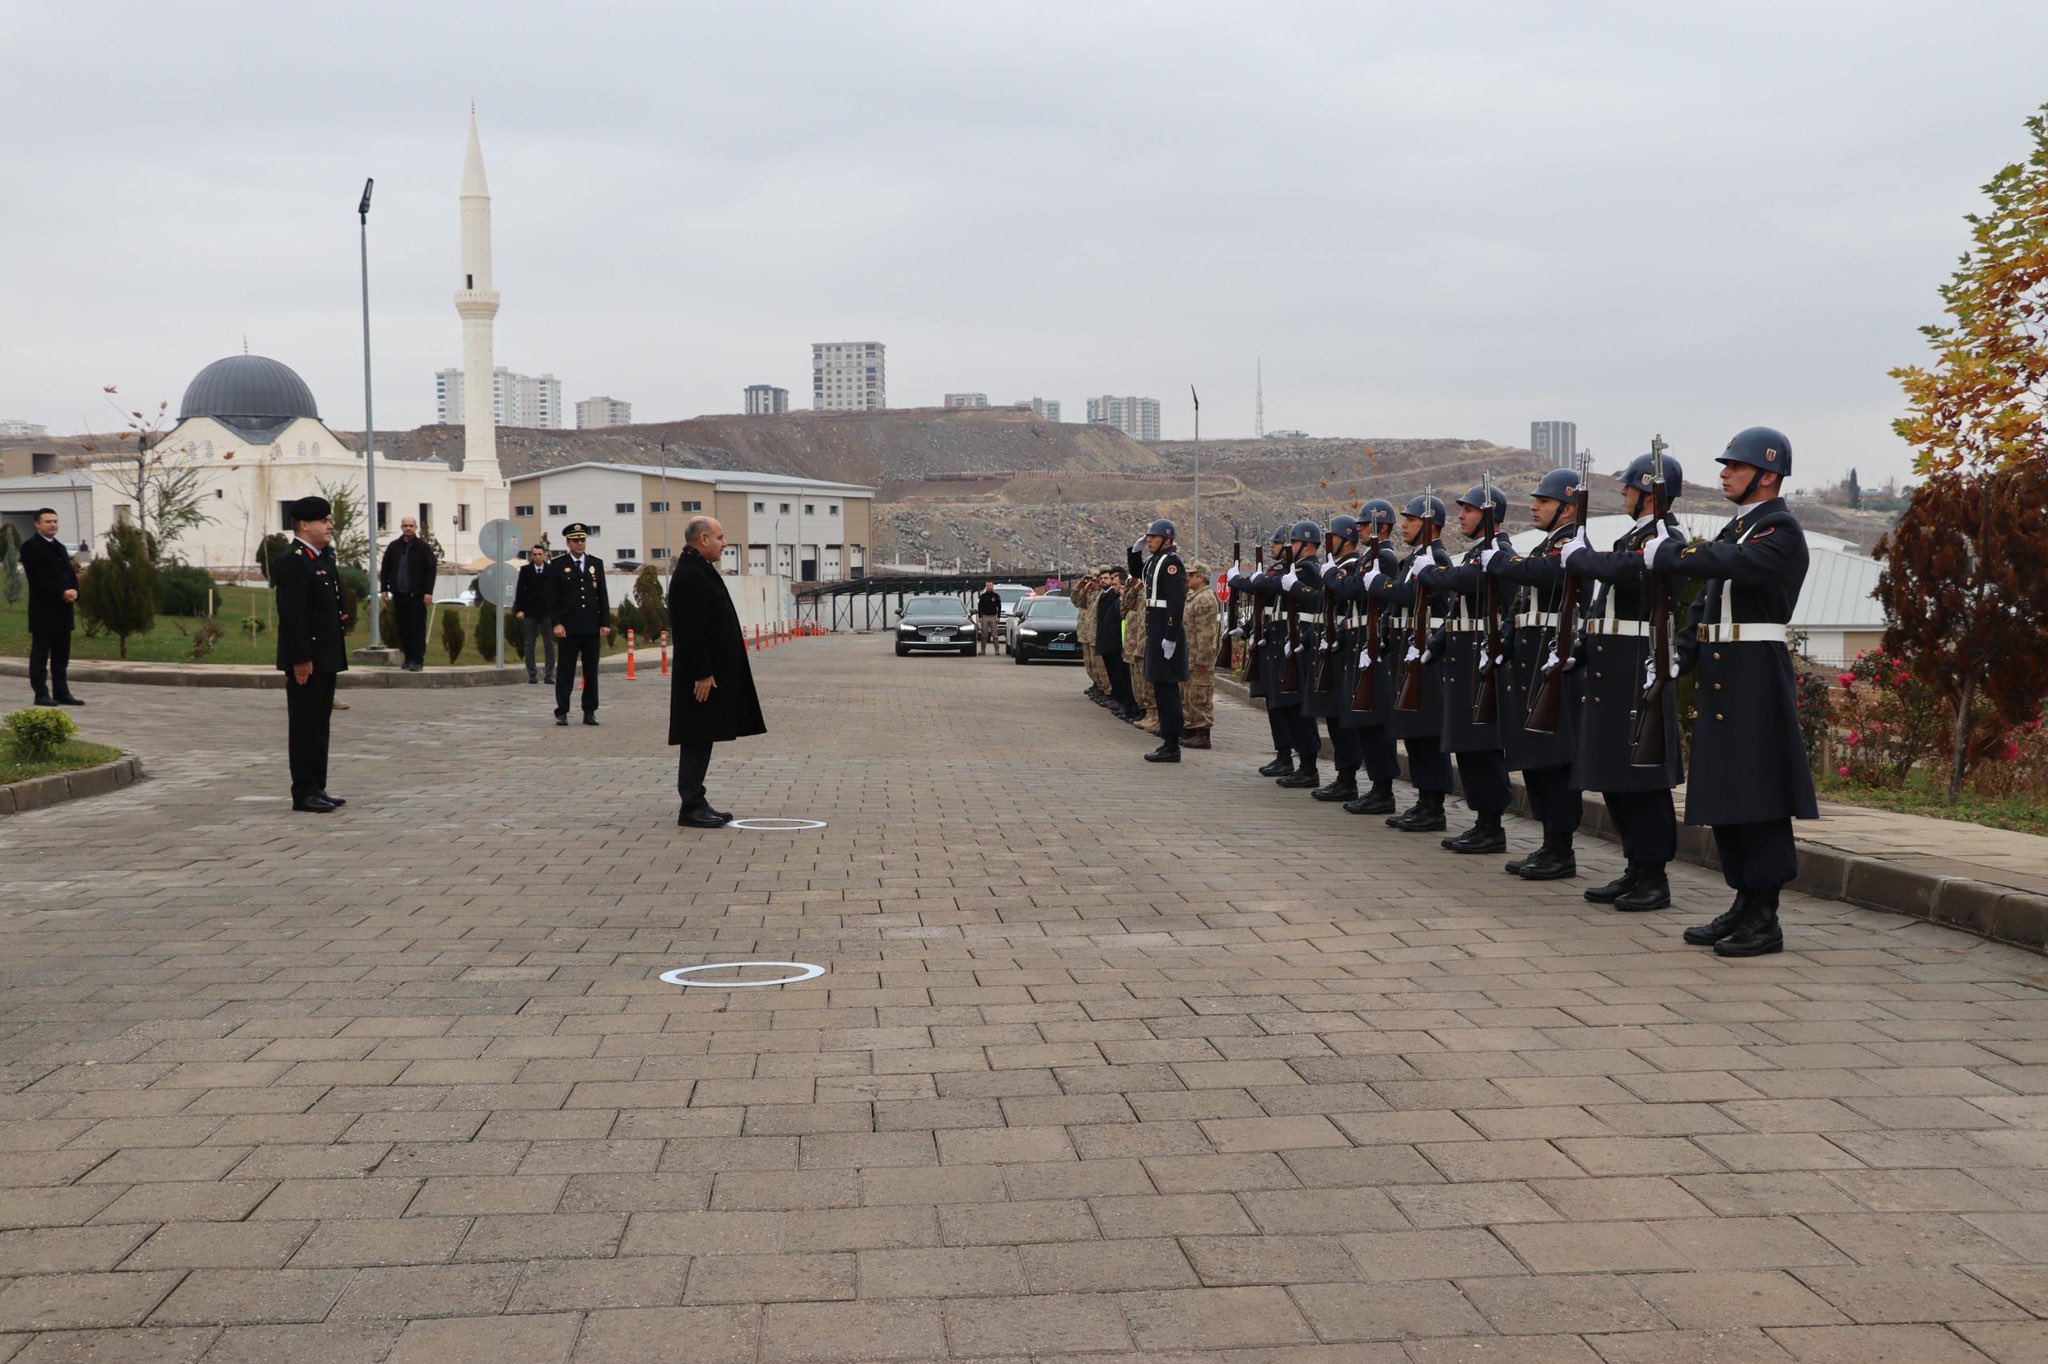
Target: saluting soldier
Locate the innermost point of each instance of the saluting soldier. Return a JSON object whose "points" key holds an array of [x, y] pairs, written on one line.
{"points": [[1544, 760], [311, 650], [583, 615], [1420, 728], [1365, 651], [1750, 777], [1083, 595], [1164, 582], [1618, 648], [1340, 650], [1468, 670], [1205, 639]]}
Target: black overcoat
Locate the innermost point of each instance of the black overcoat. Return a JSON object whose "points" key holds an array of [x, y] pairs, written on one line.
{"points": [[1355, 610], [1749, 760], [1541, 584], [1610, 671], [1459, 646], [708, 643], [534, 593], [1427, 721], [47, 566], [308, 590], [1166, 602]]}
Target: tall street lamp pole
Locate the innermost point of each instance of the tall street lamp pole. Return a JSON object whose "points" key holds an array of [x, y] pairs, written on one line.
{"points": [[1197, 554], [370, 423], [1059, 522]]}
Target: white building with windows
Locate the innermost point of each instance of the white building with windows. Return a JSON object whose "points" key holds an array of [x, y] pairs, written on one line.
{"points": [[1045, 409], [1137, 418], [967, 400], [849, 376], [529, 400], [806, 530], [766, 400], [15, 426], [1555, 443], [593, 414]]}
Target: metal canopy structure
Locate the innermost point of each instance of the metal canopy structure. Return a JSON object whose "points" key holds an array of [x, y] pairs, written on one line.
{"points": [[872, 603]]}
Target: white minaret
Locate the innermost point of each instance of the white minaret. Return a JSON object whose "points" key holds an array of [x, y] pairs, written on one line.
{"points": [[477, 304]]}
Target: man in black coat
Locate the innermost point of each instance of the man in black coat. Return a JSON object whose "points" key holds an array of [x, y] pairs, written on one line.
{"points": [[311, 649], [1166, 641], [52, 590], [583, 617], [1109, 644], [532, 604], [712, 698], [407, 582]]}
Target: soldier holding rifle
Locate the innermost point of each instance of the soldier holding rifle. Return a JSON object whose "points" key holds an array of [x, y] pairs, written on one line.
{"points": [[1417, 715], [1328, 698], [1620, 627], [1543, 758], [1750, 777], [1469, 646], [1364, 681], [1278, 636]]}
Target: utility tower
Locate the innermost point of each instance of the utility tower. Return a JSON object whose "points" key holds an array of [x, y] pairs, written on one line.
{"points": [[1259, 407]]}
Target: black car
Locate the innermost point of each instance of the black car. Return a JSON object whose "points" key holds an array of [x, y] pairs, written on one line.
{"points": [[934, 623], [1047, 627]]}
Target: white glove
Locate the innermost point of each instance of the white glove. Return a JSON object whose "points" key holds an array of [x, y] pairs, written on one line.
{"points": [[1166, 648], [1485, 660], [1414, 655], [1139, 544], [1655, 543], [1550, 663], [1289, 580], [1427, 656], [1365, 658], [1373, 575], [1231, 575], [1650, 672], [1330, 572], [1486, 555]]}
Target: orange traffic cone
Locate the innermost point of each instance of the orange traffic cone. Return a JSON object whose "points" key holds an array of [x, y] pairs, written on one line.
{"points": [[664, 653], [629, 656]]}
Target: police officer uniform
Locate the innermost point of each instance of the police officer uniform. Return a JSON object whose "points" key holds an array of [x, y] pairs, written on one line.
{"points": [[1362, 638], [1466, 672], [583, 612], [308, 590], [1283, 707], [1419, 730], [1750, 773], [1300, 591], [1166, 641], [1336, 657], [1544, 760], [1611, 682]]}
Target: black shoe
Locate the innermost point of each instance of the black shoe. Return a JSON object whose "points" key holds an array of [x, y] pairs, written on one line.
{"points": [[1759, 934], [1282, 764], [1304, 778], [69, 700], [314, 805], [1514, 868], [701, 817], [1730, 919], [1378, 801], [531, 680], [1554, 861], [42, 700], [1168, 752], [725, 815], [589, 717], [1652, 890], [1426, 816], [549, 679], [1618, 887], [336, 801], [562, 717], [1345, 787], [1485, 836]]}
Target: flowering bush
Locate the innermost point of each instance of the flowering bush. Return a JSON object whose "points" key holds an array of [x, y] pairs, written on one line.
{"points": [[2017, 766], [1885, 721]]}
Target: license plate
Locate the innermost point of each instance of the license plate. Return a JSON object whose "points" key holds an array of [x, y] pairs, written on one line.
{"points": [[1062, 648], [938, 634]]}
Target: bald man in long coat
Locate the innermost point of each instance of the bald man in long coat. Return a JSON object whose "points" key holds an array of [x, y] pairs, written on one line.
{"points": [[712, 697]]}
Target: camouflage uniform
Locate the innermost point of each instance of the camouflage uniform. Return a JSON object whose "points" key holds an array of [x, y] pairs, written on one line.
{"points": [[1084, 602], [1134, 646], [1205, 637]]}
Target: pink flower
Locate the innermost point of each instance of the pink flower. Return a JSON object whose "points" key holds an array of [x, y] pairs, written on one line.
{"points": [[1854, 738], [1842, 771], [1847, 680], [2012, 753]]}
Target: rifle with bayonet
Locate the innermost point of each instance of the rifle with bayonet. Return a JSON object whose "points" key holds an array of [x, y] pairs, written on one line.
{"points": [[1326, 654], [1255, 629], [1224, 646], [1290, 671], [1410, 698], [1485, 694], [1648, 749], [1366, 696], [1549, 700]]}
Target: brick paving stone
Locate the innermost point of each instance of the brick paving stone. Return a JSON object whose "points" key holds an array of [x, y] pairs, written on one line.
{"points": [[1091, 1080], [488, 1340], [136, 1345]]}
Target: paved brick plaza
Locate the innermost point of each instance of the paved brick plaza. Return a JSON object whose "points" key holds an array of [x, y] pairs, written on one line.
{"points": [[1111, 1061]]}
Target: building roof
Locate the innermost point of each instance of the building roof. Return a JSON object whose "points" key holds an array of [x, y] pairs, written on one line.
{"points": [[253, 395], [714, 476]]}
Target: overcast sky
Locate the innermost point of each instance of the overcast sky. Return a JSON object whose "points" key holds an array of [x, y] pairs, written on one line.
{"points": [[1441, 220]]}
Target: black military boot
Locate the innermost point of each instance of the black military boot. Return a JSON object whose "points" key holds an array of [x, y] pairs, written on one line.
{"points": [[1345, 787], [1759, 934], [1167, 752], [1282, 764], [1615, 889], [1485, 836], [1305, 777], [1426, 816], [1377, 801], [1730, 919], [1652, 890], [1553, 861]]}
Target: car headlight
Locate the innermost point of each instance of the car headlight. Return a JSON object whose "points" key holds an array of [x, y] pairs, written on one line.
{"points": [[1028, 631]]}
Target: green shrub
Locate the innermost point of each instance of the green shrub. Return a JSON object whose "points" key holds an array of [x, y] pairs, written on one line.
{"points": [[627, 617], [487, 630], [387, 626], [274, 547], [515, 636], [651, 601], [39, 731], [118, 591], [182, 590], [451, 633]]}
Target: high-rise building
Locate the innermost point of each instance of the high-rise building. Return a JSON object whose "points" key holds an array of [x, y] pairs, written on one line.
{"points": [[848, 376], [1045, 409], [593, 413], [766, 400], [1137, 418], [1555, 443], [15, 426], [516, 399], [967, 400]]}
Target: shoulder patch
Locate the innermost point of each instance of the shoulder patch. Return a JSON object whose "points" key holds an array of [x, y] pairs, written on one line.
{"points": [[1767, 530], [1173, 568]]}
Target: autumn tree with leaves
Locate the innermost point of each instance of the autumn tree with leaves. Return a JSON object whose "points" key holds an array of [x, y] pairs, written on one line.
{"points": [[1965, 582]]}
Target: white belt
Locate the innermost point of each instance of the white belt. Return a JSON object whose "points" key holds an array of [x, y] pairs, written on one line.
{"points": [[1155, 602], [1465, 629], [1618, 627], [1542, 620], [1744, 634]]}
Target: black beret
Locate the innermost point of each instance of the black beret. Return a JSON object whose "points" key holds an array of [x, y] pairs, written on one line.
{"points": [[309, 509]]}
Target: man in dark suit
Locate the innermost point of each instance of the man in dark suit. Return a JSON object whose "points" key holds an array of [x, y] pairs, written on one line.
{"points": [[531, 603], [712, 697], [52, 591], [583, 618], [407, 581], [311, 650]]}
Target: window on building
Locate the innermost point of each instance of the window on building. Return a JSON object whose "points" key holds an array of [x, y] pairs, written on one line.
{"points": [[383, 517], [558, 509], [657, 553], [426, 517], [302, 449], [124, 514], [594, 529], [785, 508], [220, 492], [693, 506], [523, 511], [835, 509], [810, 510], [623, 508], [760, 506], [654, 507], [625, 554]]}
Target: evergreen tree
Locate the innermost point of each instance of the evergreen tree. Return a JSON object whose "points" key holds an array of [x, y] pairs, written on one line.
{"points": [[119, 590]]}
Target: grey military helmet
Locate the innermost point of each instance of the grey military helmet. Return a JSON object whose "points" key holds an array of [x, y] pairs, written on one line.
{"points": [[1344, 529], [1306, 533], [1561, 485], [1488, 499], [1760, 447], [1378, 513], [1162, 528], [1424, 507], [1641, 475]]}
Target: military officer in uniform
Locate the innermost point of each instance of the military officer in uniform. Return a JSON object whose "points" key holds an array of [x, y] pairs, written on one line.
{"points": [[1419, 729], [1616, 651], [583, 615], [1205, 638], [1544, 760], [1365, 651], [1270, 649], [1468, 670], [1750, 777], [311, 650], [1165, 587], [1132, 603], [1300, 592], [1338, 656]]}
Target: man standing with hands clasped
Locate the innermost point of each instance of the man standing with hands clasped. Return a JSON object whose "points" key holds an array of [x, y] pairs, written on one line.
{"points": [[575, 588], [407, 578], [310, 650], [712, 699], [52, 593]]}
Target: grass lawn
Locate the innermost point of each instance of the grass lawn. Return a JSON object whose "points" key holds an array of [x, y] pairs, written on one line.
{"points": [[73, 755], [1919, 796], [171, 640]]}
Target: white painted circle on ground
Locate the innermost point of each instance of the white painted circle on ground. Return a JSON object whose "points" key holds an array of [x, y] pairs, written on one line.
{"points": [[805, 971], [776, 825]]}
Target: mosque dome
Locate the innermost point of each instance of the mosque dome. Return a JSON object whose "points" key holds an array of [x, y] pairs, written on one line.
{"points": [[253, 394]]}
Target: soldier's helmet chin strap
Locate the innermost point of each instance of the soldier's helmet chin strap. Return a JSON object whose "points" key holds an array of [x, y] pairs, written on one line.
{"points": [[1756, 476]]}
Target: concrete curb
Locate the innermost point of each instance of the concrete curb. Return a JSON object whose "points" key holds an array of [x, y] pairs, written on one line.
{"points": [[251, 677], [2000, 913], [59, 787]]}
